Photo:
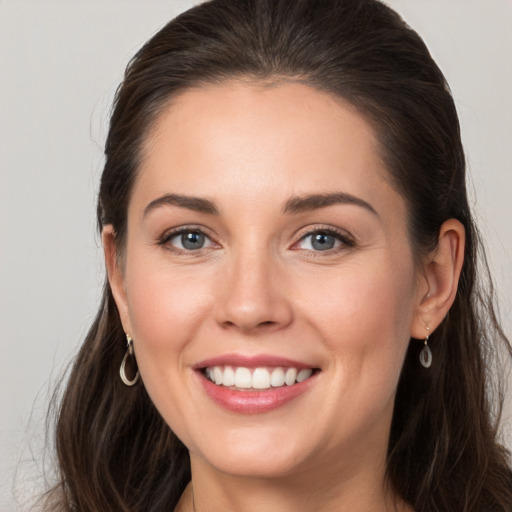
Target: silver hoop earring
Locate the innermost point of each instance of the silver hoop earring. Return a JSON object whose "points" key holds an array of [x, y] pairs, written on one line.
{"points": [[122, 370], [426, 353]]}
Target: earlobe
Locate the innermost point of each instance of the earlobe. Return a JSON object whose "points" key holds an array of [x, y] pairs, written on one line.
{"points": [[115, 274], [441, 273]]}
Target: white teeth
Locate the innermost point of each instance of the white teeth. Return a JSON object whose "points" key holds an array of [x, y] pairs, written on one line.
{"points": [[243, 378], [259, 378], [304, 374], [229, 376], [291, 375], [218, 375], [277, 377]]}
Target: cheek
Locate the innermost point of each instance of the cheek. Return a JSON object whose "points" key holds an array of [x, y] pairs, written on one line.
{"points": [[364, 319], [365, 314], [166, 308]]}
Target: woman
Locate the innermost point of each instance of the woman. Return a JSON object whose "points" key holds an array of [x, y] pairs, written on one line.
{"points": [[291, 319]]}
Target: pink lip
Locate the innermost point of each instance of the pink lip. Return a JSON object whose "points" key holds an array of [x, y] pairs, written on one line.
{"points": [[253, 402], [251, 361]]}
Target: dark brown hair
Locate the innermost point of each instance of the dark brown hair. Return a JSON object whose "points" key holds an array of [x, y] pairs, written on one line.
{"points": [[115, 452]]}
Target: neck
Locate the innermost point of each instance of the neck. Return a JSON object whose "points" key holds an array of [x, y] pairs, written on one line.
{"points": [[210, 491]]}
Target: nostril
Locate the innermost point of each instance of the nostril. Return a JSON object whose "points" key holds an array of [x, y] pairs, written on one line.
{"points": [[254, 312], [230, 323]]}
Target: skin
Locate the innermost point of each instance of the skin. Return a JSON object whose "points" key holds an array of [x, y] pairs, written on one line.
{"points": [[258, 286]]}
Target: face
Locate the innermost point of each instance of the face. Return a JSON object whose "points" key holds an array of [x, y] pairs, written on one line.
{"points": [[267, 251]]}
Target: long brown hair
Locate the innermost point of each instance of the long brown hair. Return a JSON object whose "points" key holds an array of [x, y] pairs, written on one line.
{"points": [[114, 450]]}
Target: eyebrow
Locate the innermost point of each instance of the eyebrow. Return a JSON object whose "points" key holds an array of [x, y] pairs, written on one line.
{"points": [[315, 201], [196, 204], [294, 205]]}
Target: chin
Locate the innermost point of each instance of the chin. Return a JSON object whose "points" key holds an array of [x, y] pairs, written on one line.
{"points": [[261, 466], [270, 458]]}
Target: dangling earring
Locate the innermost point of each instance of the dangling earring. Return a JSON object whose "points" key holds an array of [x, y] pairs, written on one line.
{"points": [[122, 370], [426, 353]]}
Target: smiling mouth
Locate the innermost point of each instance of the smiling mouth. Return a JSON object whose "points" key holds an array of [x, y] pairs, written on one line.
{"points": [[256, 379]]}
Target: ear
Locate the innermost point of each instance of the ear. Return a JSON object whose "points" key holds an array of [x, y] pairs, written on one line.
{"points": [[440, 279], [116, 275]]}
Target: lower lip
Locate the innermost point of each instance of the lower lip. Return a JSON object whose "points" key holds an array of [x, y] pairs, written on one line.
{"points": [[254, 402]]}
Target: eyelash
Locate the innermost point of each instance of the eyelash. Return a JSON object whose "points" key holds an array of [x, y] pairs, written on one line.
{"points": [[344, 239], [167, 237]]}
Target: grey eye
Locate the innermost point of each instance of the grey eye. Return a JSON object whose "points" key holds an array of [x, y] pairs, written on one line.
{"points": [[322, 241], [192, 240], [188, 240]]}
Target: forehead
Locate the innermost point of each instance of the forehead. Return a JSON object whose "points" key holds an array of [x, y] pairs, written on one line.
{"points": [[265, 139], [238, 109]]}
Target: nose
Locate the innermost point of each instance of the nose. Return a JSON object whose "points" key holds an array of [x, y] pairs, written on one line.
{"points": [[252, 297]]}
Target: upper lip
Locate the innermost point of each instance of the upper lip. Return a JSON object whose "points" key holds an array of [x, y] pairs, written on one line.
{"points": [[256, 361]]}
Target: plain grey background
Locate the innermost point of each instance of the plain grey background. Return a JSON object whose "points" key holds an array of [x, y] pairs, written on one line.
{"points": [[60, 62]]}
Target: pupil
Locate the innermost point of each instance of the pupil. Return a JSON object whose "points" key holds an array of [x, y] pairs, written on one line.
{"points": [[323, 241], [192, 240]]}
